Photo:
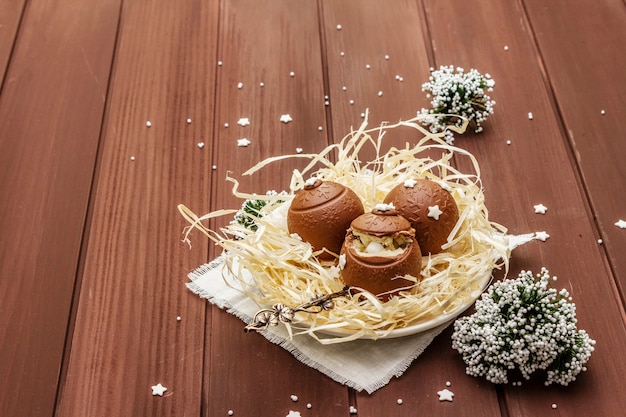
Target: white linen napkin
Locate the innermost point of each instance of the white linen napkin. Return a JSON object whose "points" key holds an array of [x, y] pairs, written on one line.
{"points": [[362, 364]]}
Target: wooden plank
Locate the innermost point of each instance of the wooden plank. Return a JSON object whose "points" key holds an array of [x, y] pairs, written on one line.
{"points": [[264, 45], [596, 83], [536, 168], [10, 16], [127, 337], [361, 40], [51, 111]]}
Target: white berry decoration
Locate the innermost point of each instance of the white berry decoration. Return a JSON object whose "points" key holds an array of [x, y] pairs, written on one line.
{"points": [[522, 324], [454, 92]]}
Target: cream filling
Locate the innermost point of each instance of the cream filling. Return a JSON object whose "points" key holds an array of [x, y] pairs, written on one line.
{"points": [[388, 246]]}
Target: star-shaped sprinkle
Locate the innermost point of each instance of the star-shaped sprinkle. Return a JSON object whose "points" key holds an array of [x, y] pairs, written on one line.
{"points": [[286, 118], [158, 389], [434, 212], [293, 414], [410, 183], [540, 209], [543, 236], [384, 207], [244, 121], [243, 142], [445, 395], [299, 150], [621, 224]]}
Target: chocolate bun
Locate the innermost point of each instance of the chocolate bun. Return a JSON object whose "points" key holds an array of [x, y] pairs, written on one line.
{"points": [[380, 248], [429, 208], [321, 213]]}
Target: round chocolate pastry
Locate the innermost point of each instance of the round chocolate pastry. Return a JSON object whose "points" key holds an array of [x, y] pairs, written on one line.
{"points": [[322, 212], [432, 211], [380, 249]]}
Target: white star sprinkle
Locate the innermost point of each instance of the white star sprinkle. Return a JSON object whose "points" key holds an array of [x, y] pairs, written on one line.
{"points": [[621, 224], [299, 150], [540, 209], [244, 121], [384, 207], [445, 395], [543, 236], [243, 142], [434, 212], [286, 118], [293, 414], [158, 389], [410, 183]]}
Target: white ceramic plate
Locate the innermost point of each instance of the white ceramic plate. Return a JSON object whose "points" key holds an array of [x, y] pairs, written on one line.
{"points": [[421, 326]]}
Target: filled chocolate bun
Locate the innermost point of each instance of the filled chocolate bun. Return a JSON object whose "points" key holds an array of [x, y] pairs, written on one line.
{"points": [[378, 253]]}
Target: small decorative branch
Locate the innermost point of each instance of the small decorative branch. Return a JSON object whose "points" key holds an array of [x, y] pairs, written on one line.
{"points": [[280, 313]]}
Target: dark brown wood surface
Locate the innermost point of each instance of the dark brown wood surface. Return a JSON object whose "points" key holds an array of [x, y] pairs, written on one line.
{"points": [[92, 267]]}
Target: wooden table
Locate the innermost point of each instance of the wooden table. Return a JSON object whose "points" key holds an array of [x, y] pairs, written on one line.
{"points": [[92, 266]]}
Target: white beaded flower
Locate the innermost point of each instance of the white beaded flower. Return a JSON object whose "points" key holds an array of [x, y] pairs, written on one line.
{"points": [[522, 324], [454, 92]]}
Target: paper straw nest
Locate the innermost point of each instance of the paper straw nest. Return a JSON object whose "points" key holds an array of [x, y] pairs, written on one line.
{"points": [[272, 267]]}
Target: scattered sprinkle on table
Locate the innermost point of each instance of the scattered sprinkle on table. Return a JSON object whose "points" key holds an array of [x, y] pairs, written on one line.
{"points": [[132, 158], [368, 66], [320, 128], [299, 150], [286, 118], [240, 85], [158, 389], [294, 398], [600, 241], [200, 145], [543, 236], [352, 409], [243, 142], [231, 412], [445, 395], [226, 125], [309, 406], [292, 74], [214, 167], [338, 27], [621, 224], [530, 116], [506, 47], [188, 121], [293, 414], [362, 115], [387, 57], [244, 121], [178, 318], [399, 401], [327, 103], [342, 53], [553, 406], [602, 112], [380, 93], [219, 63], [344, 88], [540, 209], [261, 84], [148, 123], [351, 102], [448, 383]]}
